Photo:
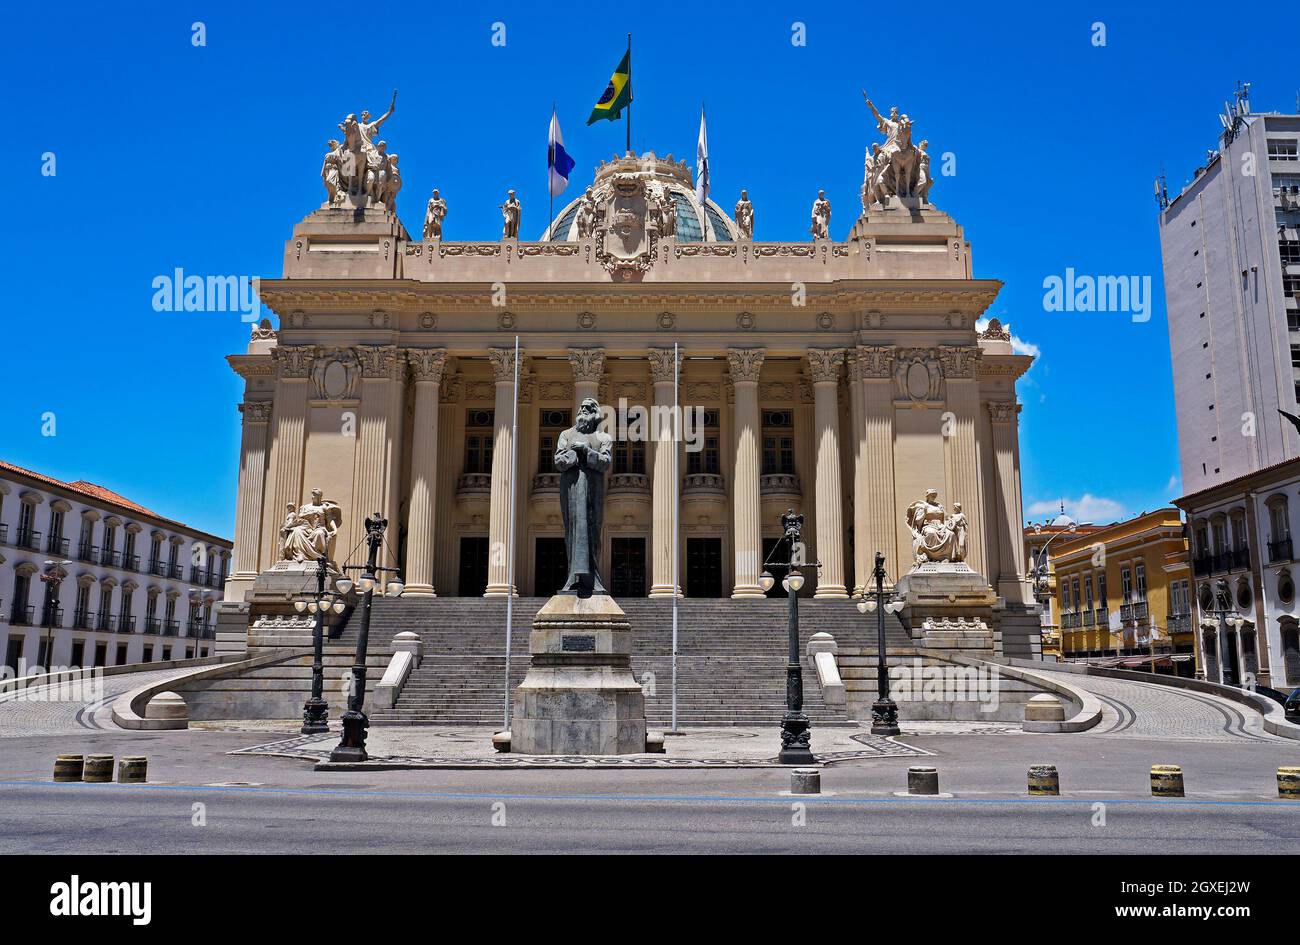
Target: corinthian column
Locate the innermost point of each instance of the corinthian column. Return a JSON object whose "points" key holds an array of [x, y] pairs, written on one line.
{"points": [[662, 373], [1011, 547], [861, 556], [961, 378], [824, 369], [745, 364], [252, 486], [876, 486], [372, 471], [588, 365], [503, 366], [287, 444], [426, 371]]}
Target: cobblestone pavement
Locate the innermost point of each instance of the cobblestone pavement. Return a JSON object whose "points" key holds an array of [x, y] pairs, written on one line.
{"points": [[1133, 709], [62, 708]]}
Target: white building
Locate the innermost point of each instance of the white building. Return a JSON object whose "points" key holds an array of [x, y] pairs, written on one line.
{"points": [[1243, 562], [133, 586]]}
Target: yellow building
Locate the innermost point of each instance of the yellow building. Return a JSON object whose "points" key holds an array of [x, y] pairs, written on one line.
{"points": [[1123, 591]]}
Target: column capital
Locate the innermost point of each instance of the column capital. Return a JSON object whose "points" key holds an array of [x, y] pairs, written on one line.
{"points": [[294, 361], [427, 364], [875, 361], [960, 362], [1003, 411], [588, 364], [378, 361], [824, 364], [661, 364], [503, 363], [256, 411], [745, 364]]}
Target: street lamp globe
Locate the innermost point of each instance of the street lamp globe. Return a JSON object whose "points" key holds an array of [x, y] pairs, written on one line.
{"points": [[344, 585], [300, 605], [366, 583], [794, 580], [765, 581], [394, 588], [339, 606]]}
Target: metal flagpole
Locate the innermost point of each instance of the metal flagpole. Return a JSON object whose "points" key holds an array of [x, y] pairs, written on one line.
{"points": [[676, 500], [629, 104], [550, 162], [510, 541]]}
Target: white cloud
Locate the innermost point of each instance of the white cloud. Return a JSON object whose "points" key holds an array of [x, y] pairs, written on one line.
{"points": [[1018, 345], [1173, 487], [1086, 508]]}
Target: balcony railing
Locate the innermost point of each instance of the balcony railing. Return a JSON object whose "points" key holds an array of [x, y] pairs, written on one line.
{"points": [[106, 622], [215, 578], [779, 484], [109, 557], [57, 545], [1203, 565], [88, 552], [4, 534], [131, 562], [474, 484], [125, 623], [83, 620], [628, 482], [703, 483], [158, 568], [152, 625], [29, 539], [176, 570], [171, 628], [1240, 558], [198, 575], [1088, 617], [1103, 617], [52, 617], [1180, 623], [1131, 611], [1279, 550], [21, 616], [1071, 620]]}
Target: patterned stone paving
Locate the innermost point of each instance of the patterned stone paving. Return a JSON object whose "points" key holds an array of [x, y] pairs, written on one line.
{"points": [[44, 710], [699, 748]]}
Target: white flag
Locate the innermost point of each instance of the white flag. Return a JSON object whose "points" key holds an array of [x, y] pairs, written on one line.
{"points": [[702, 163]]}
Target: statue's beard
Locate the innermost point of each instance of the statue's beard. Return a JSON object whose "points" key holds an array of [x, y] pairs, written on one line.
{"points": [[588, 424]]}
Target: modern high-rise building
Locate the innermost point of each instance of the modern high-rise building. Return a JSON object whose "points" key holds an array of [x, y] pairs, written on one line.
{"points": [[1231, 247]]}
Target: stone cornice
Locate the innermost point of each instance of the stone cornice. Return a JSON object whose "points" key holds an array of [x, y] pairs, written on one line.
{"points": [[251, 365]]}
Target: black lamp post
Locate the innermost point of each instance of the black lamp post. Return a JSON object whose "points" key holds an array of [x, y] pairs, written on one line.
{"points": [[315, 711], [52, 580], [796, 732], [884, 711], [352, 747]]}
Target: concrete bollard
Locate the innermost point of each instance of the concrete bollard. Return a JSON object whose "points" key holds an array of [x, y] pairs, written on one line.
{"points": [[1044, 781], [923, 779], [98, 769], [501, 742], [133, 769], [805, 781], [68, 768], [1288, 783], [1166, 781], [166, 710]]}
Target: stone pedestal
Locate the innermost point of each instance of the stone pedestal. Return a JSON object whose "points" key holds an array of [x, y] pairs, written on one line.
{"points": [[948, 606], [579, 696]]}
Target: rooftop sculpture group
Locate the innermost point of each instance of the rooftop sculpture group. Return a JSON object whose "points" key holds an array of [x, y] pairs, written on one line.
{"points": [[897, 168], [361, 167]]}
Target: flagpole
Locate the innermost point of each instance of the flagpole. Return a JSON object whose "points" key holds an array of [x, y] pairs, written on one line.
{"points": [[676, 501], [510, 541], [629, 104], [549, 162]]}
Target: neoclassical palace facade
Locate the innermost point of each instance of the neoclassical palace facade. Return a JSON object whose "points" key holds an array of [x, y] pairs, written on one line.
{"points": [[841, 379]]}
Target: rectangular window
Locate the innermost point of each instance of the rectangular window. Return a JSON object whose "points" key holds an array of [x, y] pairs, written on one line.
{"points": [[705, 459], [1126, 583], [629, 457], [478, 441], [1140, 572], [1283, 149], [551, 423]]}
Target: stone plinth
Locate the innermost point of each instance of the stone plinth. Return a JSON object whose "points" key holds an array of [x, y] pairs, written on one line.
{"points": [[579, 696], [948, 606]]}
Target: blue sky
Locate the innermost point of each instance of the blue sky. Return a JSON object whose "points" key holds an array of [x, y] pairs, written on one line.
{"points": [[170, 155]]}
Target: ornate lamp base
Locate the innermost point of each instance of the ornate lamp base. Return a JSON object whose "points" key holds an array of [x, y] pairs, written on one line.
{"points": [[795, 737], [353, 745], [315, 716], [884, 717]]}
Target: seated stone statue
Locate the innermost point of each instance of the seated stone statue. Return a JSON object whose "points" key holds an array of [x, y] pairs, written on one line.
{"points": [[936, 536], [308, 532]]}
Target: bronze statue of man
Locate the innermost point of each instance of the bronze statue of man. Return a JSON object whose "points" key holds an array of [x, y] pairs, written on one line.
{"points": [[583, 455]]}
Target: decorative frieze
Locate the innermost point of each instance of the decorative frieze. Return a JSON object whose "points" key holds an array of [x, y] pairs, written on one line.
{"points": [[334, 373], [918, 376]]}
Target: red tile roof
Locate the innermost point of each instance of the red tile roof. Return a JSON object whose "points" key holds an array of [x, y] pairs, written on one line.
{"points": [[105, 496]]}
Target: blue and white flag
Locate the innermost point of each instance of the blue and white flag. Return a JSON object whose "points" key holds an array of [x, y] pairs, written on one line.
{"points": [[702, 163], [557, 159]]}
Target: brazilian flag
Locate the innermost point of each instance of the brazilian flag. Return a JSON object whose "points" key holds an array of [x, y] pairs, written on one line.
{"points": [[618, 94]]}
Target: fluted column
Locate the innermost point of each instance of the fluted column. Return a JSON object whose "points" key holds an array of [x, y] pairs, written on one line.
{"points": [[588, 365], [289, 424], [426, 372], [503, 366], [664, 498], [824, 369], [373, 456], [961, 444], [252, 487], [861, 555], [876, 366], [745, 365], [1012, 584]]}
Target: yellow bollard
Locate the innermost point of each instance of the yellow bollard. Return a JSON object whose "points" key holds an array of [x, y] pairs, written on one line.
{"points": [[99, 769], [68, 768], [1166, 781], [1288, 783], [1044, 781], [132, 770]]}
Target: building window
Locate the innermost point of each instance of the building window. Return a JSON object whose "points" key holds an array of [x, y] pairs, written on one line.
{"points": [[1126, 583], [1282, 149], [478, 441], [1087, 593], [551, 423], [705, 459], [778, 442], [1140, 572]]}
